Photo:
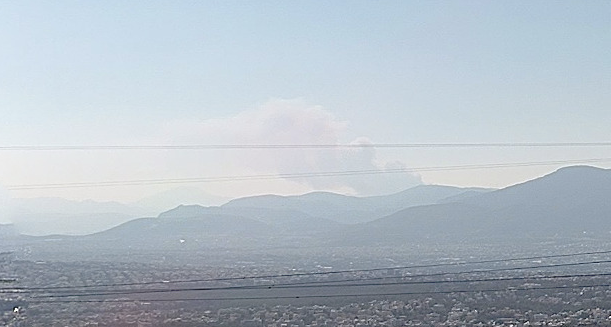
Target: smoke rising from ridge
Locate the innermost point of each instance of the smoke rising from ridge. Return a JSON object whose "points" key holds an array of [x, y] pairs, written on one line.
{"points": [[281, 121]]}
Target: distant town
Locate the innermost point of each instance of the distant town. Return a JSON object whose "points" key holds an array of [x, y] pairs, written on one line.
{"points": [[536, 302]]}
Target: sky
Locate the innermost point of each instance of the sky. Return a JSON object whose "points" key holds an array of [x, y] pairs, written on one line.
{"points": [[96, 73]]}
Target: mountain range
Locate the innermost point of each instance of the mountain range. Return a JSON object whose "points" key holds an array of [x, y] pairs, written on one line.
{"points": [[267, 219], [45, 216], [570, 202], [350, 209]]}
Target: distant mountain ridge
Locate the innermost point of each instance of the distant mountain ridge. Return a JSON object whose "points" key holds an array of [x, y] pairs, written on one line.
{"points": [[271, 216], [44, 216], [571, 202], [174, 197], [350, 209], [47, 215]]}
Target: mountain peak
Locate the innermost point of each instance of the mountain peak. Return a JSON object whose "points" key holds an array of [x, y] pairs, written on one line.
{"points": [[580, 169], [560, 187], [577, 176]]}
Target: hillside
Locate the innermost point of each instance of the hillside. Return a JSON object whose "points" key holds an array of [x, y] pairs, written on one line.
{"points": [[570, 202]]}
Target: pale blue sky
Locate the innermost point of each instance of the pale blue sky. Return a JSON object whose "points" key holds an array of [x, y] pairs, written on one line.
{"points": [[117, 72]]}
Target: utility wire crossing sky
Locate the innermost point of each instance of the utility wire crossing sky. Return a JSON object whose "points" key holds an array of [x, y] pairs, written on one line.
{"points": [[342, 86]]}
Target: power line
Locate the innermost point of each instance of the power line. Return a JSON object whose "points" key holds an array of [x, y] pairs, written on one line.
{"points": [[336, 282], [314, 285], [425, 282], [237, 178], [299, 146], [510, 289], [319, 273], [322, 273]]}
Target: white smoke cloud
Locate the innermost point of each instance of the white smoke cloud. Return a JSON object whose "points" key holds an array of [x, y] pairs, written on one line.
{"points": [[294, 122]]}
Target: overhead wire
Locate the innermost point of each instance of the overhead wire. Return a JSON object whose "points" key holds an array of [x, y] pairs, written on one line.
{"points": [[345, 295], [96, 288], [297, 146], [313, 285], [59, 294], [236, 178]]}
